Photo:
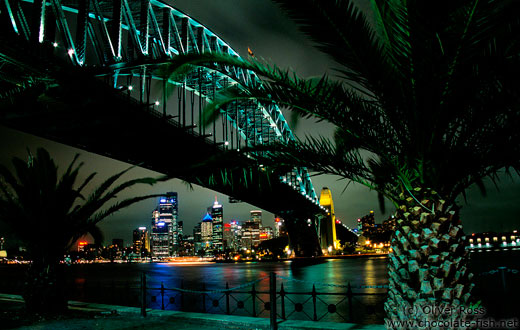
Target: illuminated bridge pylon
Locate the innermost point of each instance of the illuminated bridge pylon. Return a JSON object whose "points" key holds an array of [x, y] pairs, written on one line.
{"points": [[327, 230]]}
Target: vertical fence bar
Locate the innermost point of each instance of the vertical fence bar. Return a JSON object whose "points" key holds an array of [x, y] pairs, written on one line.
{"points": [[143, 294], [502, 271], [315, 318], [162, 295], [227, 298], [282, 298], [272, 302], [253, 295], [349, 296]]}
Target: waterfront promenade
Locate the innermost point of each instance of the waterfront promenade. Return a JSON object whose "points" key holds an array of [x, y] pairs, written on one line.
{"points": [[101, 316]]}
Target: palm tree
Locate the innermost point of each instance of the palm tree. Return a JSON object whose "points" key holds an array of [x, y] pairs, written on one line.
{"points": [[49, 214], [425, 104]]}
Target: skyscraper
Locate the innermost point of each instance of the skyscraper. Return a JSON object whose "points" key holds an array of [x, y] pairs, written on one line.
{"points": [[160, 238], [206, 232], [256, 216], [164, 226], [141, 241], [217, 212]]}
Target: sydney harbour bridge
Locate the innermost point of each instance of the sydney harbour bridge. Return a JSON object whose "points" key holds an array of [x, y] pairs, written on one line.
{"points": [[90, 74]]}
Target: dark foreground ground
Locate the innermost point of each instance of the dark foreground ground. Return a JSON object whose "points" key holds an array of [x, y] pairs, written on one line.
{"points": [[111, 317]]}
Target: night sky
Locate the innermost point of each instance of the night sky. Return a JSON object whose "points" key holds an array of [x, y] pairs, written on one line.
{"points": [[260, 25]]}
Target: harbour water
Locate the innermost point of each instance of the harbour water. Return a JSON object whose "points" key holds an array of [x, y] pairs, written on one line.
{"points": [[118, 284]]}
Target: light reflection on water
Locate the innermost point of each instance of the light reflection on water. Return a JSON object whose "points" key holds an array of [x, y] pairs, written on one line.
{"points": [[359, 271], [371, 271]]}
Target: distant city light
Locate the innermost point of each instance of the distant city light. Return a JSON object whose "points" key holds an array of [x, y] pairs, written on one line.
{"points": [[142, 228], [161, 224], [55, 44], [163, 200], [226, 143], [130, 87], [71, 52], [157, 103]]}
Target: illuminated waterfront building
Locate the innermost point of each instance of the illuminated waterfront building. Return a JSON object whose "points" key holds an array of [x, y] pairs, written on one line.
{"points": [[228, 236], [206, 232], [236, 230], [141, 241], [279, 227], [256, 216], [266, 233], [217, 213], [367, 223], [250, 234], [197, 237], [164, 236]]}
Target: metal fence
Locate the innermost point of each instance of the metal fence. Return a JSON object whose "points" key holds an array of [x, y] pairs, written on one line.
{"points": [[277, 303]]}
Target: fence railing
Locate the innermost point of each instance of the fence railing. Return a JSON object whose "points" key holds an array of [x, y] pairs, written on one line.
{"points": [[277, 303]]}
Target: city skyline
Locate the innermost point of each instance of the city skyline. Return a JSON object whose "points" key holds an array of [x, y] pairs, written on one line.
{"points": [[261, 26]]}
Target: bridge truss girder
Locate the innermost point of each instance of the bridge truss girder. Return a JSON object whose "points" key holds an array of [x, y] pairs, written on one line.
{"points": [[120, 39]]}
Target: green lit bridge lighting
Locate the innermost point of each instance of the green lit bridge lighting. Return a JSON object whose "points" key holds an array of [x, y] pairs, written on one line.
{"points": [[125, 44]]}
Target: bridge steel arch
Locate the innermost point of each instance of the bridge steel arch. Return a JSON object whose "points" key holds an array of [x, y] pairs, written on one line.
{"points": [[125, 43]]}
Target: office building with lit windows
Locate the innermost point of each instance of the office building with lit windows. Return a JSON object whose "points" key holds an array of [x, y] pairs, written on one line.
{"points": [[141, 242], [164, 236], [217, 213], [256, 216]]}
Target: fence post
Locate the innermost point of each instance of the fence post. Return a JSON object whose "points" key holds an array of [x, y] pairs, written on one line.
{"points": [[315, 318], [502, 271], [227, 298], [349, 296], [272, 302], [162, 295], [282, 298], [143, 294], [253, 295]]}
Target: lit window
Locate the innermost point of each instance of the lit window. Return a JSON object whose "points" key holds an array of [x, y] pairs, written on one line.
{"points": [[503, 238], [479, 240], [471, 240], [487, 239], [495, 239]]}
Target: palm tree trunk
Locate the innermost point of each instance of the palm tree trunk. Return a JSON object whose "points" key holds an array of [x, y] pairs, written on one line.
{"points": [[428, 263], [44, 291]]}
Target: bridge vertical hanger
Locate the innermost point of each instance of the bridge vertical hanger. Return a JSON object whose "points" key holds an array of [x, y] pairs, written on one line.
{"points": [[105, 36], [164, 49], [81, 30], [18, 20], [177, 35], [142, 84], [166, 30], [64, 28], [10, 14], [116, 29], [144, 26], [38, 21], [132, 30]]}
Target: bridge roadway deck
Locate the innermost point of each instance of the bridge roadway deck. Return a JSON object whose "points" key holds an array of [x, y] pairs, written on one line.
{"points": [[100, 316], [77, 109]]}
